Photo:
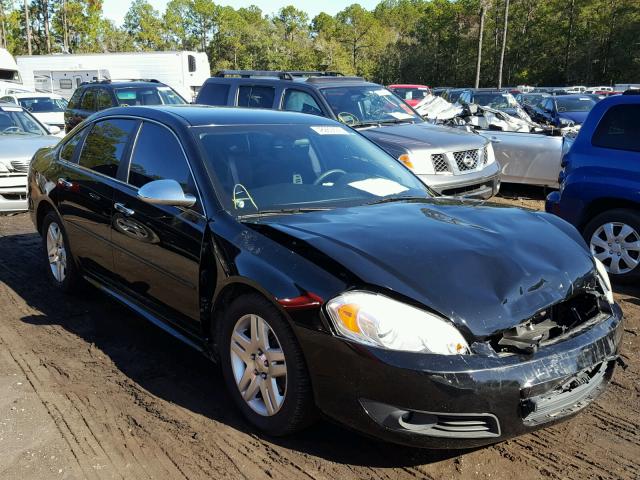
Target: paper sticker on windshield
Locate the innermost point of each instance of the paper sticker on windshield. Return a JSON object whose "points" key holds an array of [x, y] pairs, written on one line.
{"points": [[383, 93], [330, 130], [11, 109], [380, 187], [400, 115], [585, 99]]}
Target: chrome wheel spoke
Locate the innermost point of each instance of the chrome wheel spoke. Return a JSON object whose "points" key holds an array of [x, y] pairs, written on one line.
{"points": [[246, 378], [268, 389], [56, 253], [598, 242], [252, 390], [275, 355], [241, 346], [602, 256], [263, 335], [629, 261], [608, 231], [633, 246], [625, 231], [278, 370], [614, 267]]}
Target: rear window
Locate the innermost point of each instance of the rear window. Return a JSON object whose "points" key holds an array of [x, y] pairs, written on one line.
{"points": [[133, 96], [214, 94], [256, 96], [619, 129]]}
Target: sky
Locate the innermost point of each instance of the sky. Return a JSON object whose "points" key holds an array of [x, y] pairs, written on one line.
{"points": [[116, 9]]}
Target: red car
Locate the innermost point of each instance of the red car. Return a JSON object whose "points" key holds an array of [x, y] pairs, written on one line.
{"points": [[412, 94]]}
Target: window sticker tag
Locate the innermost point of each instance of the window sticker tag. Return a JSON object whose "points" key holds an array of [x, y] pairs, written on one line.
{"points": [[400, 115], [297, 179], [381, 187], [330, 130], [383, 93]]}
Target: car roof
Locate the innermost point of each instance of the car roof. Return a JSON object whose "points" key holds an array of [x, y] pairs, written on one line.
{"points": [[34, 95], [314, 82], [200, 115], [407, 85], [119, 84]]}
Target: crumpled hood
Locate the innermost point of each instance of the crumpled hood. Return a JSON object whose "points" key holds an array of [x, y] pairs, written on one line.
{"points": [[486, 268], [424, 136], [576, 117]]}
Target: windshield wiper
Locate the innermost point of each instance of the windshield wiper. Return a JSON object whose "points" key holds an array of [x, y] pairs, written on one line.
{"points": [[395, 199], [398, 120], [283, 211]]}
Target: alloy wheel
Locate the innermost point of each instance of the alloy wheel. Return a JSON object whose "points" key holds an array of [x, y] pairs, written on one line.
{"points": [[258, 364], [56, 252], [617, 246]]}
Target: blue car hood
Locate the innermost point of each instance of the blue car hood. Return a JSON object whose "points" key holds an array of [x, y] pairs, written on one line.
{"points": [[484, 267]]}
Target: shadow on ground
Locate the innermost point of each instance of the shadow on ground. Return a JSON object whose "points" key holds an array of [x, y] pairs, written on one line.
{"points": [[169, 369]]}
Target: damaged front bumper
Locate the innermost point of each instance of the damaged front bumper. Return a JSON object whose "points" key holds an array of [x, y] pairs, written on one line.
{"points": [[464, 401], [13, 192]]}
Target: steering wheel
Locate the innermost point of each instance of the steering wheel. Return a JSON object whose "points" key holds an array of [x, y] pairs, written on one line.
{"points": [[348, 118], [328, 173], [12, 128]]}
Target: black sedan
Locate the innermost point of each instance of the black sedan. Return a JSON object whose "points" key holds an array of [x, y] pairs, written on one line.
{"points": [[324, 276]]}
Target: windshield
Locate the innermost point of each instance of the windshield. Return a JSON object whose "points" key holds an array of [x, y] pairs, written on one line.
{"points": [[130, 96], [495, 100], [408, 93], [365, 105], [9, 75], [15, 121], [264, 169], [43, 104], [575, 104]]}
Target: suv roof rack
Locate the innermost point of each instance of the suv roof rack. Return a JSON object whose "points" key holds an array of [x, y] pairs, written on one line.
{"points": [[113, 80], [281, 74]]}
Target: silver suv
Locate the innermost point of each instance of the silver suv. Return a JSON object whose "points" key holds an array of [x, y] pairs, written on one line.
{"points": [[450, 161]]}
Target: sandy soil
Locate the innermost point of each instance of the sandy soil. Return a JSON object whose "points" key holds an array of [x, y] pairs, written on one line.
{"points": [[89, 390]]}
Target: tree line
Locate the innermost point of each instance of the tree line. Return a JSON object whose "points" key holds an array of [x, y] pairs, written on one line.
{"points": [[437, 42]]}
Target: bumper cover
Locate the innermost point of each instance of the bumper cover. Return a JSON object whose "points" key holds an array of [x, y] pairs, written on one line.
{"points": [[483, 184], [13, 193], [475, 400]]}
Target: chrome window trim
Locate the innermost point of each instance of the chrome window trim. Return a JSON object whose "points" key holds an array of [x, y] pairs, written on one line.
{"points": [[142, 119]]}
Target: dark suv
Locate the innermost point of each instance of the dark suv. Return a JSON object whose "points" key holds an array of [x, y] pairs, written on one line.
{"points": [[450, 161], [92, 97]]}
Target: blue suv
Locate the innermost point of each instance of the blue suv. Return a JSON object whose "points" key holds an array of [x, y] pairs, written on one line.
{"points": [[600, 185]]}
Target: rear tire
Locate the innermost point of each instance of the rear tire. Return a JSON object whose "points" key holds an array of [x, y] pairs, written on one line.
{"points": [[264, 368], [614, 238], [60, 266]]}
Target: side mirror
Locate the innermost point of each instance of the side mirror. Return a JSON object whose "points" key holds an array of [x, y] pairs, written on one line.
{"points": [[53, 129], [165, 192]]}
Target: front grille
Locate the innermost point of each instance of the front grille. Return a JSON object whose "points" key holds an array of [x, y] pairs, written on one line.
{"points": [[440, 164], [20, 165], [467, 160], [549, 325], [485, 155], [468, 190]]}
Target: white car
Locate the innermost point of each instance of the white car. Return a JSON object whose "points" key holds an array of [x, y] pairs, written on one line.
{"points": [[47, 107]]}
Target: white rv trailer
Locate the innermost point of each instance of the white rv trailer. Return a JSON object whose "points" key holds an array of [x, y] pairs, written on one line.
{"points": [[184, 71], [10, 80]]}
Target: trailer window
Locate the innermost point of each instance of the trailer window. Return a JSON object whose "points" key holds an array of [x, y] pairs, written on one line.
{"points": [[66, 84], [192, 63]]}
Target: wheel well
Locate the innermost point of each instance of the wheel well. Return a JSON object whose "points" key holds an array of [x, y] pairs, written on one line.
{"points": [[224, 298], [602, 205], [43, 209]]}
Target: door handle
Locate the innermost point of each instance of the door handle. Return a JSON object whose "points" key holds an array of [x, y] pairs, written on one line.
{"points": [[127, 212], [63, 182]]}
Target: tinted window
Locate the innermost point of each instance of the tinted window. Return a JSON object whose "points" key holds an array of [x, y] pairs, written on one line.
{"points": [[158, 156], [103, 99], [69, 148], [214, 94], [105, 145], [7, 100], [299, 101], [88, 100], [192, 63], [619, 129], [161, 95], [75, 99], [255, 96]]}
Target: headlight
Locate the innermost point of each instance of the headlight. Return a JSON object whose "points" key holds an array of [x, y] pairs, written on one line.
{"points": [[491, 156], [565, 122], [605, 283], [377, 320]]}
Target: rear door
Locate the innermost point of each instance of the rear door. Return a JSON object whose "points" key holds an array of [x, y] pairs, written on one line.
{"points": [[85, 190], [157, 247]]}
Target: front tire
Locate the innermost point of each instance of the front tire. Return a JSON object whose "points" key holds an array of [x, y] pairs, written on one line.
{"points": [[61, 269], [263, 367], [614, 239]]}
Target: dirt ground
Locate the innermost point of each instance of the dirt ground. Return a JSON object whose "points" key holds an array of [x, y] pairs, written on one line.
{"points": [[90, 390]]}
